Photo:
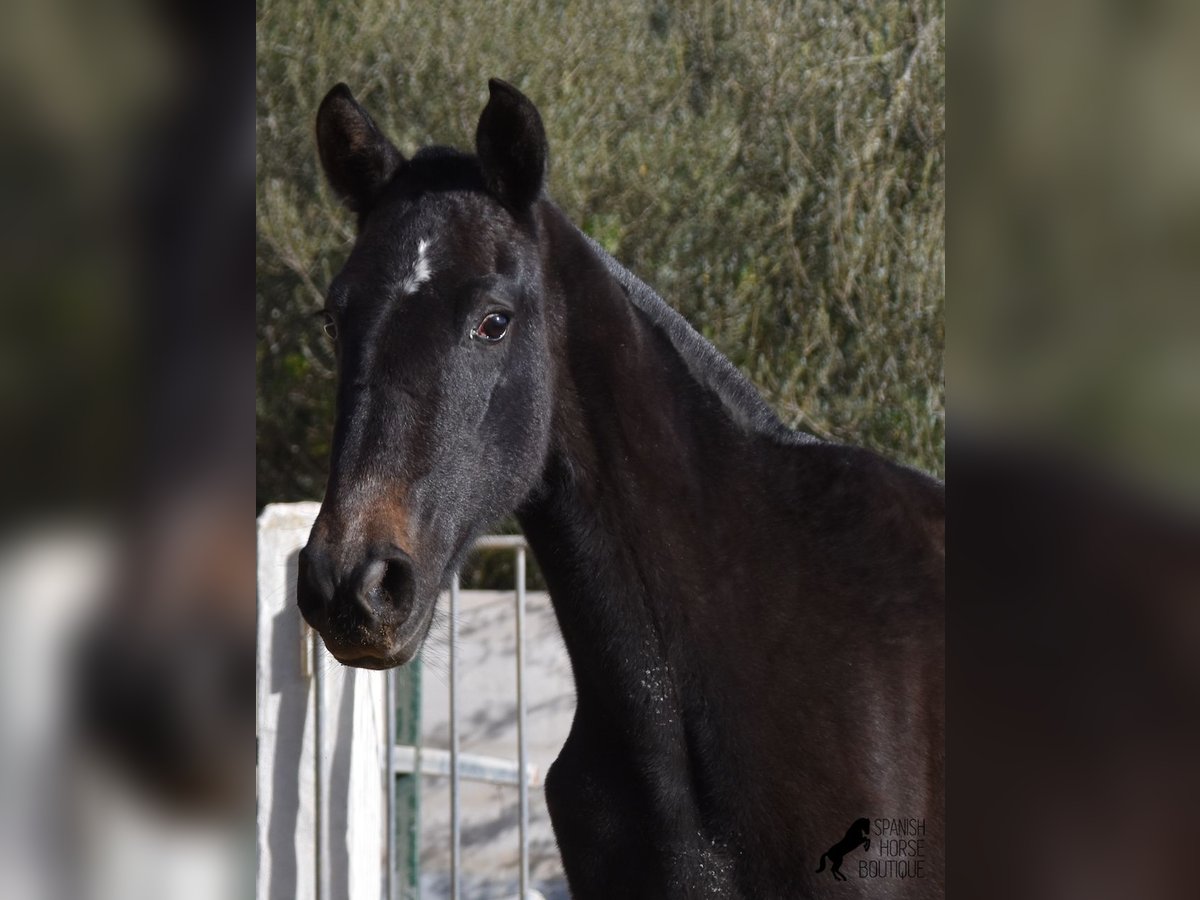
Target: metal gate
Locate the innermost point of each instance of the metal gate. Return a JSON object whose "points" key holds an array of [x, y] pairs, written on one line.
{"points": [[408, 757]]}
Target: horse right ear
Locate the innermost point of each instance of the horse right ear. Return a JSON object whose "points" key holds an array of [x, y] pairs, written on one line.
{"points": [[357, 158], [510, 142]]}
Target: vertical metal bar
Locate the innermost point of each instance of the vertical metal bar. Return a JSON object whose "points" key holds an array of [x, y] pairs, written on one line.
{"points": [[321, 862], [522, 764], [406, 687], [455, 823], [389, 780]]}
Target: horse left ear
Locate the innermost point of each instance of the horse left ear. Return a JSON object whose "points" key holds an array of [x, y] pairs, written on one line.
{"points": [[511, 144]]}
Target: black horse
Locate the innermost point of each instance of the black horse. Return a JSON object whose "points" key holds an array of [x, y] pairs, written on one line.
{"points": [[754, 616]]}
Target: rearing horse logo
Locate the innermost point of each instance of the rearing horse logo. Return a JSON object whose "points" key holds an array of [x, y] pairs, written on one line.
{"points": [[856, 835]]}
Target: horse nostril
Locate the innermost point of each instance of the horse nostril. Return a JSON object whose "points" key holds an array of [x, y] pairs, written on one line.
{"points": [[398, 583], [372, 578], [386, 585]]}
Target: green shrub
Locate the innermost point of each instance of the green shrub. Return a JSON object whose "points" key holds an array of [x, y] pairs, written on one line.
{"points": [[775, 170]]}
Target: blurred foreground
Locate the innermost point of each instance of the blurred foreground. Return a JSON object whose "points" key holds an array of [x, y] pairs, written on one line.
{"points": [[126, 541], [1074, 471]]}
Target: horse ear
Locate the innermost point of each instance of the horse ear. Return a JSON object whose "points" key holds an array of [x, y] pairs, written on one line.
{"points": [[511, 144], [357, 158]]}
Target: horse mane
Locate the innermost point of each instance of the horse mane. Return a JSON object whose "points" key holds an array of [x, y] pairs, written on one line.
{"points": [[710, 368]]}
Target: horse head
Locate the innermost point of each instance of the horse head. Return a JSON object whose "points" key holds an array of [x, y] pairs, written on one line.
{"points": [[443, 369]]}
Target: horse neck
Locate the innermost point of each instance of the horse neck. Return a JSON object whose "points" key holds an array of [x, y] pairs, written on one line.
{"points": [[637, 496]]}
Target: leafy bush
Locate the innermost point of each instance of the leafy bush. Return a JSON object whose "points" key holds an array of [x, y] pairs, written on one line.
{"points": [[775, 170]]}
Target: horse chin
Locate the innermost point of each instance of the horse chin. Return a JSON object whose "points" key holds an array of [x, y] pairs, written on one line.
{"points": [[375, 663], [395, 647]]}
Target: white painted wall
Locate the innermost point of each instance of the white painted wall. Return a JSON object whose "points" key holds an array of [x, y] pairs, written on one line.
{"points": [[354, 740]]}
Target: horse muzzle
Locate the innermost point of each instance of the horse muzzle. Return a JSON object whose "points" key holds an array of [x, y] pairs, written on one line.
{"points": [[366, 612]]}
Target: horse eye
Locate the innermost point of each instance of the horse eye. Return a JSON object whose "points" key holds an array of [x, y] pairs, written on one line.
{"points": [[329, 326], [493, 327]]}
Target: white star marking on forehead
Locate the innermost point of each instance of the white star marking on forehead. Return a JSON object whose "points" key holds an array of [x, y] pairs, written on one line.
{"points": [[420, 271]]}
